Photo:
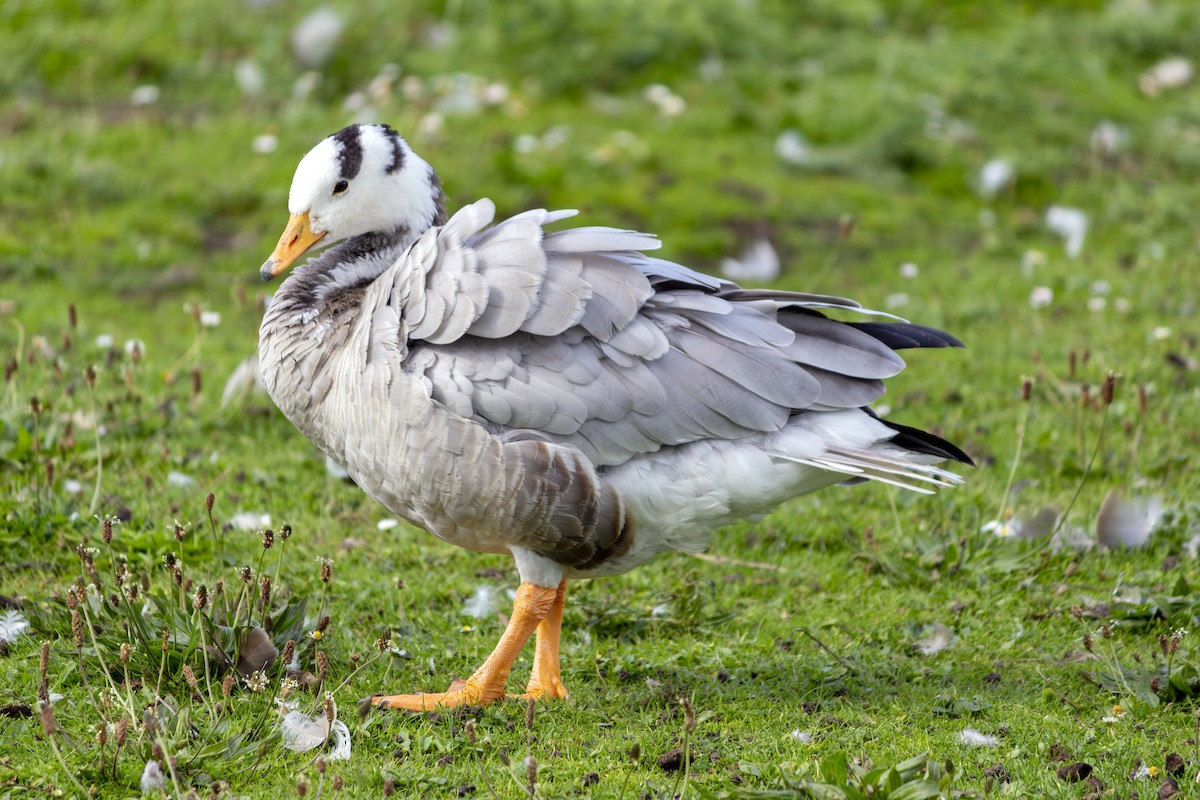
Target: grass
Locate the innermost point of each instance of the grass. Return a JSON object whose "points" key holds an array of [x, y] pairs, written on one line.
{"points": [[800, 646]]}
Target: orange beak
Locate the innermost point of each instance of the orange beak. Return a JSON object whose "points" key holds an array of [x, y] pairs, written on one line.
{"points": [[297, 239]]}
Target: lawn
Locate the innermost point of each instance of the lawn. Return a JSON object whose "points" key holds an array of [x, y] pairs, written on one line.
{"points": [[1023, 175]]}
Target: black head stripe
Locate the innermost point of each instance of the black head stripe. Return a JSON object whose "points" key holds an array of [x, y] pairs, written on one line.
{"points": [[350, 151], [397, 149]]}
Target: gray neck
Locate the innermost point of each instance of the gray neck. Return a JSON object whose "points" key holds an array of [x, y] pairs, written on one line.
{"points": [[322, 285]]}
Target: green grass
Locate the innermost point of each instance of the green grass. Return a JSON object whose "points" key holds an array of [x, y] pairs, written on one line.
{"points": [[807, 622]]}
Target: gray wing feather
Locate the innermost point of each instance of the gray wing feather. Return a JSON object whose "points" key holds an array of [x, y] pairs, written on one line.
{"points": [[576, 337]]}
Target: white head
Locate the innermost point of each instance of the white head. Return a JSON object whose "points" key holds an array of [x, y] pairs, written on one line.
{"points": [[362, 179]]}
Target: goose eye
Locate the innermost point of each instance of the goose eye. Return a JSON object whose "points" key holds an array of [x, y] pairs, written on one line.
{"points": [[340, 187]]}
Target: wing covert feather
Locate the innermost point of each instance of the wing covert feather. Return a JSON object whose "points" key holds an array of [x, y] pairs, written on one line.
{"points": [[576, 337]]}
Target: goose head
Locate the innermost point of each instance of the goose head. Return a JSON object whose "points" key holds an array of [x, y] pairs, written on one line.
{"points": [[362, 179]]}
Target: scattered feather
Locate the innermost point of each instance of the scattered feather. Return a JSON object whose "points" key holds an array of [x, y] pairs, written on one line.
{"points": [[804, 737], [315, 37], [482, 603], [153, 780], [12, 624], [1069, 223], [1127, 523], [759, 262], [973, 738], [995, 176], [243, 380], [256, 653], [334, 470], [1170, 73], [250, 521], [1072, 537], [792, 148], [144, 95], [938, 639], [180, 479], [302, 733]]}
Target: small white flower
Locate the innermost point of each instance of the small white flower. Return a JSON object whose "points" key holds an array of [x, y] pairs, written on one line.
{"points": [[72, 486], [430, 123], [1161, 333], [1109, 138], [210, 319], [672, 106], [1101, 287], [897, 300], [153, 780], [791, 147], [909, 270], [265, 143], [994, 177], [257, 681], [135, 349], [1041, 296], [1122, 305], [1097, 303], [249, 77], [1069, 223], [494, 94], [973, 738], [144, 95], [387, 524], [104, 341]]}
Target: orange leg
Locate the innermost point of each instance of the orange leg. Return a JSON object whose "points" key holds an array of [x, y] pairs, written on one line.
{"points": [[546, 680], [531, 607]]}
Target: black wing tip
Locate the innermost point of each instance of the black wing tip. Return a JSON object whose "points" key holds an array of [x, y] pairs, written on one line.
{"points": [[920, 441], [905, 335]]}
